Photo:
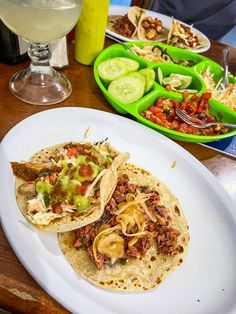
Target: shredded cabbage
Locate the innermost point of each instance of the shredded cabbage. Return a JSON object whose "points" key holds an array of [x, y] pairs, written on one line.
{"points": [[227, 96]]}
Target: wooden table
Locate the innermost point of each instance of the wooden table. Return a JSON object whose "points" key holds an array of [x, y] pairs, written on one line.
{"points": [[19, 292]]}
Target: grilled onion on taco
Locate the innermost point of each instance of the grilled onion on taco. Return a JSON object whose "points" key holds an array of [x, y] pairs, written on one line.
{"points": [[140, 238], [66, 186]]}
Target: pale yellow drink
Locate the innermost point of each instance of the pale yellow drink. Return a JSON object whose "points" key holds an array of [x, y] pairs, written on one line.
{"points": [[40, 21], [90, 30]]}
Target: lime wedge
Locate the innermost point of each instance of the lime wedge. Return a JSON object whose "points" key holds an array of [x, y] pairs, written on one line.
{"points": [[185, 80], [190, 91], [173, 82], [160, 76]]}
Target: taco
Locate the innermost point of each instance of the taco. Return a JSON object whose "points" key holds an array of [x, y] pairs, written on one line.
{"points": [[140, 238], [151, 29], [66, 186], [181, 35], [127, 24]]}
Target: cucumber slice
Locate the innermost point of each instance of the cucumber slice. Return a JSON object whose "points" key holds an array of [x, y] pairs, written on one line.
{"points": [[139, 76], [127, 89], [149, 75], [131, 64], [112, 69]]}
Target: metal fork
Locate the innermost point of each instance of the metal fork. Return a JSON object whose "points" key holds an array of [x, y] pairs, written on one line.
{"points": [[185, 117], [122, 43], [224, 82]]}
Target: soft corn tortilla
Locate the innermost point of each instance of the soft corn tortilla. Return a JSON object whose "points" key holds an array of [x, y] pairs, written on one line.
{"points": [[134, 15], [137, 274], [72, 220]]}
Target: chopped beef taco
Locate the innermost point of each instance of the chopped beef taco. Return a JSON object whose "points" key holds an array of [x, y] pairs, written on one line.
{"points": [[140, 238], [151, 29], [121, 25], [127, 24], [66, 186], [181, 35]]}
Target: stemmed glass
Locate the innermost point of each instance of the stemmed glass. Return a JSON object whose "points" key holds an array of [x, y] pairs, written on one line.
{"points": [[40, 22]]}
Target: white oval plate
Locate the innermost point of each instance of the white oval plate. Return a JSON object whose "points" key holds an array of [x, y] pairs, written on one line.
{"points": [[204, 283], [166, 21]]}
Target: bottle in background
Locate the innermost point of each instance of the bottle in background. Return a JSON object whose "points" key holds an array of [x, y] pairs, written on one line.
{"points": [[90, 30], [13, 49]]}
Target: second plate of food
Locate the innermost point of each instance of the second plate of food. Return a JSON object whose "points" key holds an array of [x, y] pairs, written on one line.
{"points": [[136, 24]]}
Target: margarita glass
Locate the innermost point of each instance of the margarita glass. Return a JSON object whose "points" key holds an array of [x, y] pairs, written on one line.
{"points": [[40, 22]]}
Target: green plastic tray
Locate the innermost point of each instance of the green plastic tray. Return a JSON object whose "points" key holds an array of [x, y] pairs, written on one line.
{"points": [[200, 63]]}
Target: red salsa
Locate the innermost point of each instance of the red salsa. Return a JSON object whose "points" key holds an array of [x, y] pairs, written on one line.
{"points": [[197, 107]]}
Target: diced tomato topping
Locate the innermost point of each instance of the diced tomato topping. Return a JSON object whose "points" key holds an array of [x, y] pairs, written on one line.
{"points": [[168, 87], [157, 120], [185, 95], [161, 115], [155, 109], [81, 189], [206, 95], [72, 152], [192, 108], [195, 97], [197, 107], [85, 171], [175, 103], [159, 102], [152, 118], [200, 106], [183, 127], [53, 178], [183, 105], [211, 119], [56, 208]]}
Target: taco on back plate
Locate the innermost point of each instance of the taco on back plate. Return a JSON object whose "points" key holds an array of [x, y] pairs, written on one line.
{"points": [[151, 29], [125, 25], [66, 186], [140, 238], [182, 36]]}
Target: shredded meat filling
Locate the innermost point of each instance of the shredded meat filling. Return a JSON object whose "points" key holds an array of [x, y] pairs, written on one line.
{"points": [[140, 247], [160, 234], [166, 240], [124, 27]]}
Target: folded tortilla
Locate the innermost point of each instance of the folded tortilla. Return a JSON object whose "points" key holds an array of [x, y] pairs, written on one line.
{"points": [[145, 271], [72, 219]]}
